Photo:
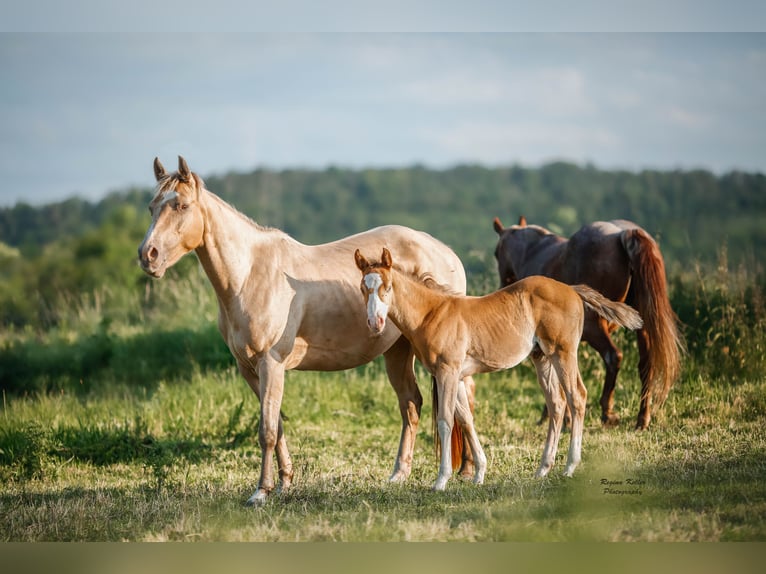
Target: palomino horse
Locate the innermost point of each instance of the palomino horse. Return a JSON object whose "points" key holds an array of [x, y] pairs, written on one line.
{"points": [[284, 305], [622, 262], [456, 336]]}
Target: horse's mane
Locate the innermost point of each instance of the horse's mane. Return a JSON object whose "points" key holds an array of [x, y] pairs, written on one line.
{"points": [[428, 280], [170, 181]]}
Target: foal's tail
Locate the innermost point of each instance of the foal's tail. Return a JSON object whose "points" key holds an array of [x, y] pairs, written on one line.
{"points": [[648, 285], [456, 440], [614, 312]]}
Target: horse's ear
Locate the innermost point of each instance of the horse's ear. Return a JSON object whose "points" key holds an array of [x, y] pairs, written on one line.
{"points": [[183, 170], [498, 226], [159, 170], [361, 262], [522, 221], [386, 260]]}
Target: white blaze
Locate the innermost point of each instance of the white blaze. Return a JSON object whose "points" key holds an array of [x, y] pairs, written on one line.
{"points": [[375, 306]]}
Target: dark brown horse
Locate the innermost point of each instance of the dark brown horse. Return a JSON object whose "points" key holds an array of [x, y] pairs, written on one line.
{"points": [[624, 263]]}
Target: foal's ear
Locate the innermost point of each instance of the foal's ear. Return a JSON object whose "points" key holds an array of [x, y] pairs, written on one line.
{"points": [[498, 226], [183, 170], [385, 259], [361, 262], [159, 170], [522, 221]]}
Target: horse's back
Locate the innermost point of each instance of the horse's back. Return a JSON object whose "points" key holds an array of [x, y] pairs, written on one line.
{"points": [[416, 252], [595, 255]]}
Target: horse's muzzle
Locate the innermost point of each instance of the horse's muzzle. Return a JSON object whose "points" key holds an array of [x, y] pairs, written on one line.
{"points": [[148, 259], [376, 324]]}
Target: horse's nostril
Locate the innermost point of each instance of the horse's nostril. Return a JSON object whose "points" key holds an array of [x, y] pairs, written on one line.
{"points": [[153, 253]]}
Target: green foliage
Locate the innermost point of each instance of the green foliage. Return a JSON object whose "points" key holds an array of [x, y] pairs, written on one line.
{"points": [[724, 320], [57, 253]]}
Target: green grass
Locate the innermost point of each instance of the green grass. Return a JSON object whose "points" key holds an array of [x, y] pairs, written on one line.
{"points": [[177, 460]]}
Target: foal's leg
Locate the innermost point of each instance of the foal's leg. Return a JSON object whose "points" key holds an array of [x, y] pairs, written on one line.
{"points": [[284, 462], [447, 386], [464, 415], [556, 404], [576, 397], [271, 375], [467, 468], [400, 367]]}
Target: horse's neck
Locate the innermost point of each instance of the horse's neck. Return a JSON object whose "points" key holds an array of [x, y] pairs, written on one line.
{"points": [[414, 301], [543, 256], [230, 242]]}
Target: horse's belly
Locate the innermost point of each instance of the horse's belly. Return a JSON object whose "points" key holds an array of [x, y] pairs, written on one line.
{"points": [[337, 356], [474, 365]]}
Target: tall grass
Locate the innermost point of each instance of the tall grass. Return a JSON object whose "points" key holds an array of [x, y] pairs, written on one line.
{"points": [[131, 423]]}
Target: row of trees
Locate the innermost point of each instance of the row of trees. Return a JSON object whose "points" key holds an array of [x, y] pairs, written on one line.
{"points": [[60, 251]]}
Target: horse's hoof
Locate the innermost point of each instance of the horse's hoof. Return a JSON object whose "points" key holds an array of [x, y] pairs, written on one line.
{"points": [[259, 498], [569, 472], [398, 477], [610, 420], [467, 471]]}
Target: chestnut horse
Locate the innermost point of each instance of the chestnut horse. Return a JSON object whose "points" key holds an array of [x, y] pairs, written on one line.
{"points": [[622, 262], [456, 336], [284, 305]]}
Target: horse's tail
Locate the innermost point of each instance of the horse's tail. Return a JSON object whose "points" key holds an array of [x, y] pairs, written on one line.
{"points": [[648, 284], [614, 312], [456, 440]]}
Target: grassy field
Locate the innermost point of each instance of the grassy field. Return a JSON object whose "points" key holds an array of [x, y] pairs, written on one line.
{"points": [[129, 423], [177, 460]]}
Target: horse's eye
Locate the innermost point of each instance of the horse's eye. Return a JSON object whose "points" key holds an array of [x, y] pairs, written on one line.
{"points": [[182, 206]]}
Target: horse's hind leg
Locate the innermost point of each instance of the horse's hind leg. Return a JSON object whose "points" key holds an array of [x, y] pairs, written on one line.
{"points": [[556, 405], [576, 396], [400, 367], [596, 333], [645, 408]]}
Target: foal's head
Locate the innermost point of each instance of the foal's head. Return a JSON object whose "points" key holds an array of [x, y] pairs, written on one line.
{"points": [[376, 288], [177, 219]]}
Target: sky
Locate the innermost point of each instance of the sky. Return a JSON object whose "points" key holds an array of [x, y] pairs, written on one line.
{"points": [[86, 113]]}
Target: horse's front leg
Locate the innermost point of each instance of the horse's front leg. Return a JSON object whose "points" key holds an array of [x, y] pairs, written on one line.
{"points": [[400, 367], [283, 455], [271, 375], [447, 388]]}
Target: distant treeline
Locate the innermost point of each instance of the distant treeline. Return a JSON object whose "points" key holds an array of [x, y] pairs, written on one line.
{"points": [[77, 245]]}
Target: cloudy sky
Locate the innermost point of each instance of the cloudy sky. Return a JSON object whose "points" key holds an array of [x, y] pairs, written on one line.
{"points": [[86, 113]]}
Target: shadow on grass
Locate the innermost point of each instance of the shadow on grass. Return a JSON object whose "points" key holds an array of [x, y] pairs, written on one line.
{"points": [[31, 366]]}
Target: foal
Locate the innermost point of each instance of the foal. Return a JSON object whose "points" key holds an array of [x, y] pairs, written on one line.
{"points": [[456, 336]]}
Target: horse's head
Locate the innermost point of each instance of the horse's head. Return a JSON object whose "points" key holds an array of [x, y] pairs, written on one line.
{"points": [[177, 219], [376, 288], [512, 248]]}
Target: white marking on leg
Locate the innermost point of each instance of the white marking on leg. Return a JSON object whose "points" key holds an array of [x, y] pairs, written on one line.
{"points": [[445, 468]]}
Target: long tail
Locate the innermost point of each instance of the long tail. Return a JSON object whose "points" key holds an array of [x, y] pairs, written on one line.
{"points": [[614, 312], [649, 286], [456, 440]]}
